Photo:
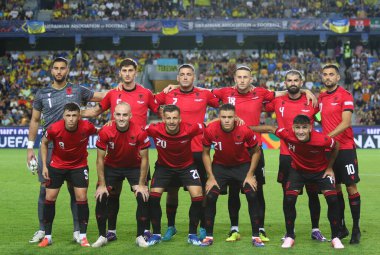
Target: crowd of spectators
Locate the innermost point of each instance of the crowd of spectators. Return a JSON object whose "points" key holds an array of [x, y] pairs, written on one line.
{"points": [[14, 10], [21, 74], [192, 9]]}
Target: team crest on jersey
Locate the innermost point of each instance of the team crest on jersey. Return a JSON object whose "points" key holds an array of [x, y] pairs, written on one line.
{"points": [[133, 141], [69, 92], [62, 145], [141, 99], [238, 139], [254, 96]]}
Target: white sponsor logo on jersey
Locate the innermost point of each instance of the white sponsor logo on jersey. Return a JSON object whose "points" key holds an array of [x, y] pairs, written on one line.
{"points": [[348, 103]]}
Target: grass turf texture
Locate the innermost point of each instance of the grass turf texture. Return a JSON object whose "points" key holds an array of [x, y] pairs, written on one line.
{"points": [[18, 221]]}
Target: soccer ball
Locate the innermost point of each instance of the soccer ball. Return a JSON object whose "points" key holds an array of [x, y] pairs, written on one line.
{"points": [[33, 166]]}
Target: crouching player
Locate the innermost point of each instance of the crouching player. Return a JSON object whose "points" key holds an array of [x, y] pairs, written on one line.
{"points": [[122, 153], [68, 162], [232, 162], [175, 163], [309, 165]]}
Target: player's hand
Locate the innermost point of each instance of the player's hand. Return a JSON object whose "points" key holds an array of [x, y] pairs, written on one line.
{"points": [[143, 190], [251, 181], [45, 173], [109, 123], [211, 182], [100, 191], [31, 161], [119, 87], [239, 122], [329, 172], [311, 98], [169, 88]]}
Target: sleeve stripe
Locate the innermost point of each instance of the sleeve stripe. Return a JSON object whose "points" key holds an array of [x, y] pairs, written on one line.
{"points": [[349, 110], [100, 148]]}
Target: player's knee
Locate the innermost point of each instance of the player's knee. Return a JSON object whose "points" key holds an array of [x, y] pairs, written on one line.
{"points": [[290, 198], [140, 199], [312, 190], [154, 199], [102, 200], [172, 195], [249, 192], [352, 189], [331, 197], [213, 195]]}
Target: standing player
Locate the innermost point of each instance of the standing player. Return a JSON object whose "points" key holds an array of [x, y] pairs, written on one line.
{"points": [[140, 99], [122, 153], [68, 162], [336, 106], [287, 108], [232, 162], [175, 162], [248, 101], [48, 106], [309, 165], [193, 103]]}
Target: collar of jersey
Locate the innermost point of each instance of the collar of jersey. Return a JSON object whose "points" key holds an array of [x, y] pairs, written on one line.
{"points": [[51, 85], [186, 92], [332, 92], [130, 90]]}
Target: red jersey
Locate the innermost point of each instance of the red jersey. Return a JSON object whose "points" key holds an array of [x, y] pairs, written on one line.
{"points": [[307, 156], [248, 106], [139, 98], [123, 148], [70, 148], [231, 148], [286, 110], [174, 151], [193, 105], [332, 105]]}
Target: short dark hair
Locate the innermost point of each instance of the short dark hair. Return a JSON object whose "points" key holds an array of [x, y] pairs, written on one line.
{"points": [[60, 59], [327, 66], [294, 72], [71, 107], [301, 119], [128, 62], [227, 107], [171, 108], [186, 65]]}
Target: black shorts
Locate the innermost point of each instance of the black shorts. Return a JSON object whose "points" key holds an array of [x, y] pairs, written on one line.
{"points": [[297, 179], [346, 167], [77, 177], [48, 159], [230, 174], [259, 173], [163, 177], [198, 161], [115, 176]]}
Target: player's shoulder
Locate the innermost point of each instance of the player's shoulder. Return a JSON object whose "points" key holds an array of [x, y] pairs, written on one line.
{"points": [[202, 91], [141, 88], [319, 136], [213, 125], [343, 91]]}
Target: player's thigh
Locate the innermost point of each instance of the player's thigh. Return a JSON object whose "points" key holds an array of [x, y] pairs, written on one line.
{"points": [[239, 173], [79, 177], [284, 168], [56, 178], [200, 167], [162, 177], [114, 179], [346, 167], [195, 191], [260, 170], [222, 175], [324, 183], [189, 176], [296, 180], [39, 158], [133, 177]]}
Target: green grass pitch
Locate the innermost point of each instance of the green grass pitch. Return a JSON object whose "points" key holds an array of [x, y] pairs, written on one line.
{"points": [[18, 221]]}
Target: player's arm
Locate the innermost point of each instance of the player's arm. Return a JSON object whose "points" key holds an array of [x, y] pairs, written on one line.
{"points": [[309, 95], [44, 153], [142, 188], [91, 112], [98, 96], [102, 188], [211, 182], [33, 129], [343, 125], [250, 179], [334, 153], [263, 129]]}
